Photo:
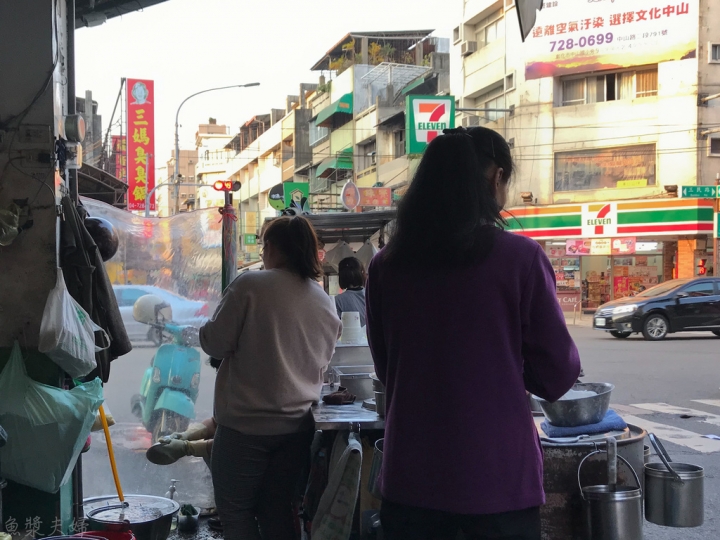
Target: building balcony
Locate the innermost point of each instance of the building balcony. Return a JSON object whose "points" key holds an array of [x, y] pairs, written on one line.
{"points": [[367, 177], [288, 169], [396, 172]]}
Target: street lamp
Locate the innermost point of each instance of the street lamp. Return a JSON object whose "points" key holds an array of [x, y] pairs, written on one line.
{"points": [[177, 139]]}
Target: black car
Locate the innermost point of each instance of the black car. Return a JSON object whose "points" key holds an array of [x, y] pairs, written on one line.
{"points": [[678, 305]]}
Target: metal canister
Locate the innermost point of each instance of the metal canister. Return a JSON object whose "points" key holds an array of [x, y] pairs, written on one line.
{"points": [[612, 512], [373, 487], [562, 515], [646, 454], [671, 503]]}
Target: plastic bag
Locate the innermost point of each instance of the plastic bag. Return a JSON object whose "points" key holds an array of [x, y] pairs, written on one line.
{"points": [[97, 424], [47, 427], [67, 333]]}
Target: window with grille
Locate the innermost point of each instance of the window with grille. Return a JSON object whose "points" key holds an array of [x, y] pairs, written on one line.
{"points": [[609, 87]]}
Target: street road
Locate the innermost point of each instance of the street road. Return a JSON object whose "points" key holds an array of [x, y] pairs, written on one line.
{"points": [[656, 386]]}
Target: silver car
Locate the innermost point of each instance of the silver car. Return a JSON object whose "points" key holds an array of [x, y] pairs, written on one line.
{"points": [[184, 310]]}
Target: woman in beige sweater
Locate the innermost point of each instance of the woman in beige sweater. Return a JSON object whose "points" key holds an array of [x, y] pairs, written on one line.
{"points": [[276, 332]]}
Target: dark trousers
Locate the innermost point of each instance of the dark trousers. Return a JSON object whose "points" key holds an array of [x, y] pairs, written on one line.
{"points": [[400, 522], [255, 479]]}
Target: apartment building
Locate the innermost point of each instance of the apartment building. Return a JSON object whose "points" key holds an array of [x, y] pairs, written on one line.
{"points": [[357, 128], [213, 161], [616, 146]]}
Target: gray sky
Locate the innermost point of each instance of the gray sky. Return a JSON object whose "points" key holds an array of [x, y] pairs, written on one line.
{"points": [[189, 45]]}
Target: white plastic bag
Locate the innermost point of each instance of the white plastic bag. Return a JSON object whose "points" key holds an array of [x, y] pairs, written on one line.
{"points": [[97, 425], [47, 426], [67, 333]]}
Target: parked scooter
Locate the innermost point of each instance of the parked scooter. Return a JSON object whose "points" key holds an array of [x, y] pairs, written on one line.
{"points": [[169, 389]]}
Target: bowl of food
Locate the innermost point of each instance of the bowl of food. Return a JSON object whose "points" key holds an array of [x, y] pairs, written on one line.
{"points": [[584, 404]]}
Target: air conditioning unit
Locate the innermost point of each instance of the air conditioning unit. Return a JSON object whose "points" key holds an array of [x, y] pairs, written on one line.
{"points": [[470, 121], [373, 158], [468, 47]]}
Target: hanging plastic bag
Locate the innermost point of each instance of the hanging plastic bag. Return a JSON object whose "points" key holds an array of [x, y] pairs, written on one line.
{"points": [[67, 334], [47, 427], [98, 425]]}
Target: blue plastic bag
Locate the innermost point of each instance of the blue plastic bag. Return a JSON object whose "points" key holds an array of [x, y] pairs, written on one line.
{"points": [[47, 426]]}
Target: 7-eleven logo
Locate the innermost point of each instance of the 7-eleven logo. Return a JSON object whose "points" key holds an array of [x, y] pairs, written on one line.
{"points": [[431, 117], [599, 220]]}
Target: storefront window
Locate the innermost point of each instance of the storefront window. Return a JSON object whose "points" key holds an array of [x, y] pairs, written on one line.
{"points": [[623, 167], [588, 281]]}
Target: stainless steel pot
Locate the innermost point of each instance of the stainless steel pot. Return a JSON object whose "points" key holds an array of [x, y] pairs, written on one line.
{"points": [[671, 503], [582, 411], [612, 512], [148, 517], [373, 487]]}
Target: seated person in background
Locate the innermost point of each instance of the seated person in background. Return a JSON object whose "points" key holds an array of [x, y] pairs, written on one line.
{"points": [[352, 279]]}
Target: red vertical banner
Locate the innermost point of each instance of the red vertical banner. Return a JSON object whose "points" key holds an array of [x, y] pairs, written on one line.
{"points": [[140, 142], [119, 148]]}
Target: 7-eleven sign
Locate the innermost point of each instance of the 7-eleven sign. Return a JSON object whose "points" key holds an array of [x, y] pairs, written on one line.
{"points": [[599, 220], [425, 119]]}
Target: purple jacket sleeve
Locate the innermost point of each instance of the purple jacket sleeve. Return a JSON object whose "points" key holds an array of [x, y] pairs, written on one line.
{"points": [[373, 314], [552, 362]]}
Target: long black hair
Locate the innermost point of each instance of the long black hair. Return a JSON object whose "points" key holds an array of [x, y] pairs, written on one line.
{"points": [[450, 213]]}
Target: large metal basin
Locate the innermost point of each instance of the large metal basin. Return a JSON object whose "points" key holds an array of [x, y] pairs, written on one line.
{"points": [[582, 411], [150, 518]]}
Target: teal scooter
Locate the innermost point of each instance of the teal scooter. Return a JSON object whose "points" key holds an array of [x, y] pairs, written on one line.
{"points": [[170, 386]]}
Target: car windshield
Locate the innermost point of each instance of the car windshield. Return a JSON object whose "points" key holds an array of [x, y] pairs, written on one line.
{"points": [[663, 288]]}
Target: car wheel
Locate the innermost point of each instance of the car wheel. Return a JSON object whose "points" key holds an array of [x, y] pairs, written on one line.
{"points": [[656, 327], [620, 335]]}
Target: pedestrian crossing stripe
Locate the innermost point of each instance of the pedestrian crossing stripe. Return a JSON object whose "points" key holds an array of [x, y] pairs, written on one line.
{"points": [[702, 416], [675, 435], [711, 402]]}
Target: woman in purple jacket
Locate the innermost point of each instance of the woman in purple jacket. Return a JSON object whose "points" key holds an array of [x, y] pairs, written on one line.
{"points": [[462, 320]]}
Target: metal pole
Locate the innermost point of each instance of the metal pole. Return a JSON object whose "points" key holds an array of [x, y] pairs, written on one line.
{"points": [[72, 178], [177, 138], [229, 241]]}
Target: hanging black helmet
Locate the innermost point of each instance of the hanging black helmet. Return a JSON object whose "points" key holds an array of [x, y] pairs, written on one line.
{"points": [[105, 236]]}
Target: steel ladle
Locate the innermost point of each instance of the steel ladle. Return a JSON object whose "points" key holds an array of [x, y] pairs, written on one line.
{"points": [[664, 456]]}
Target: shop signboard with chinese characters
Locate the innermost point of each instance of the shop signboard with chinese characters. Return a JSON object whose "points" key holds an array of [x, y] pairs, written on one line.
{"points": [[119, 149], [621, 167], [140, 143], [426, 117], [576, 37], [381, 197]]}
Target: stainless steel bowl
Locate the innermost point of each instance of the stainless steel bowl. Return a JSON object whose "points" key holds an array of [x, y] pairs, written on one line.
{"points": [[582, 411]]}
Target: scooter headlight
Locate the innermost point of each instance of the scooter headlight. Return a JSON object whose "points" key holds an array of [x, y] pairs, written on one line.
{"points": [[156, 376], [195, 382]]}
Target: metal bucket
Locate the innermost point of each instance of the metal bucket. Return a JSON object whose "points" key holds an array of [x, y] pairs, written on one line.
{"points": [[562, 515], [373, 487], [671, 503], [612, 512]]}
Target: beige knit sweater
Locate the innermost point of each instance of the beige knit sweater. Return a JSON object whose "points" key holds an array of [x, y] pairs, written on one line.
{"points": [[276, 334]]}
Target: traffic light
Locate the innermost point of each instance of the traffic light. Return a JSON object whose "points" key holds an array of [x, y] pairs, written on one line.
{"points": [[701, 267], [226, 185]]}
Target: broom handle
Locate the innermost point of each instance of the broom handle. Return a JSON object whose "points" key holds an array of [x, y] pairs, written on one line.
{"points": [[113, 465]]}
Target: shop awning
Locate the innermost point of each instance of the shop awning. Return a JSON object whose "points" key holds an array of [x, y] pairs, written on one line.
{"points": [[341, 162], [100, 185], [342, 105]]}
